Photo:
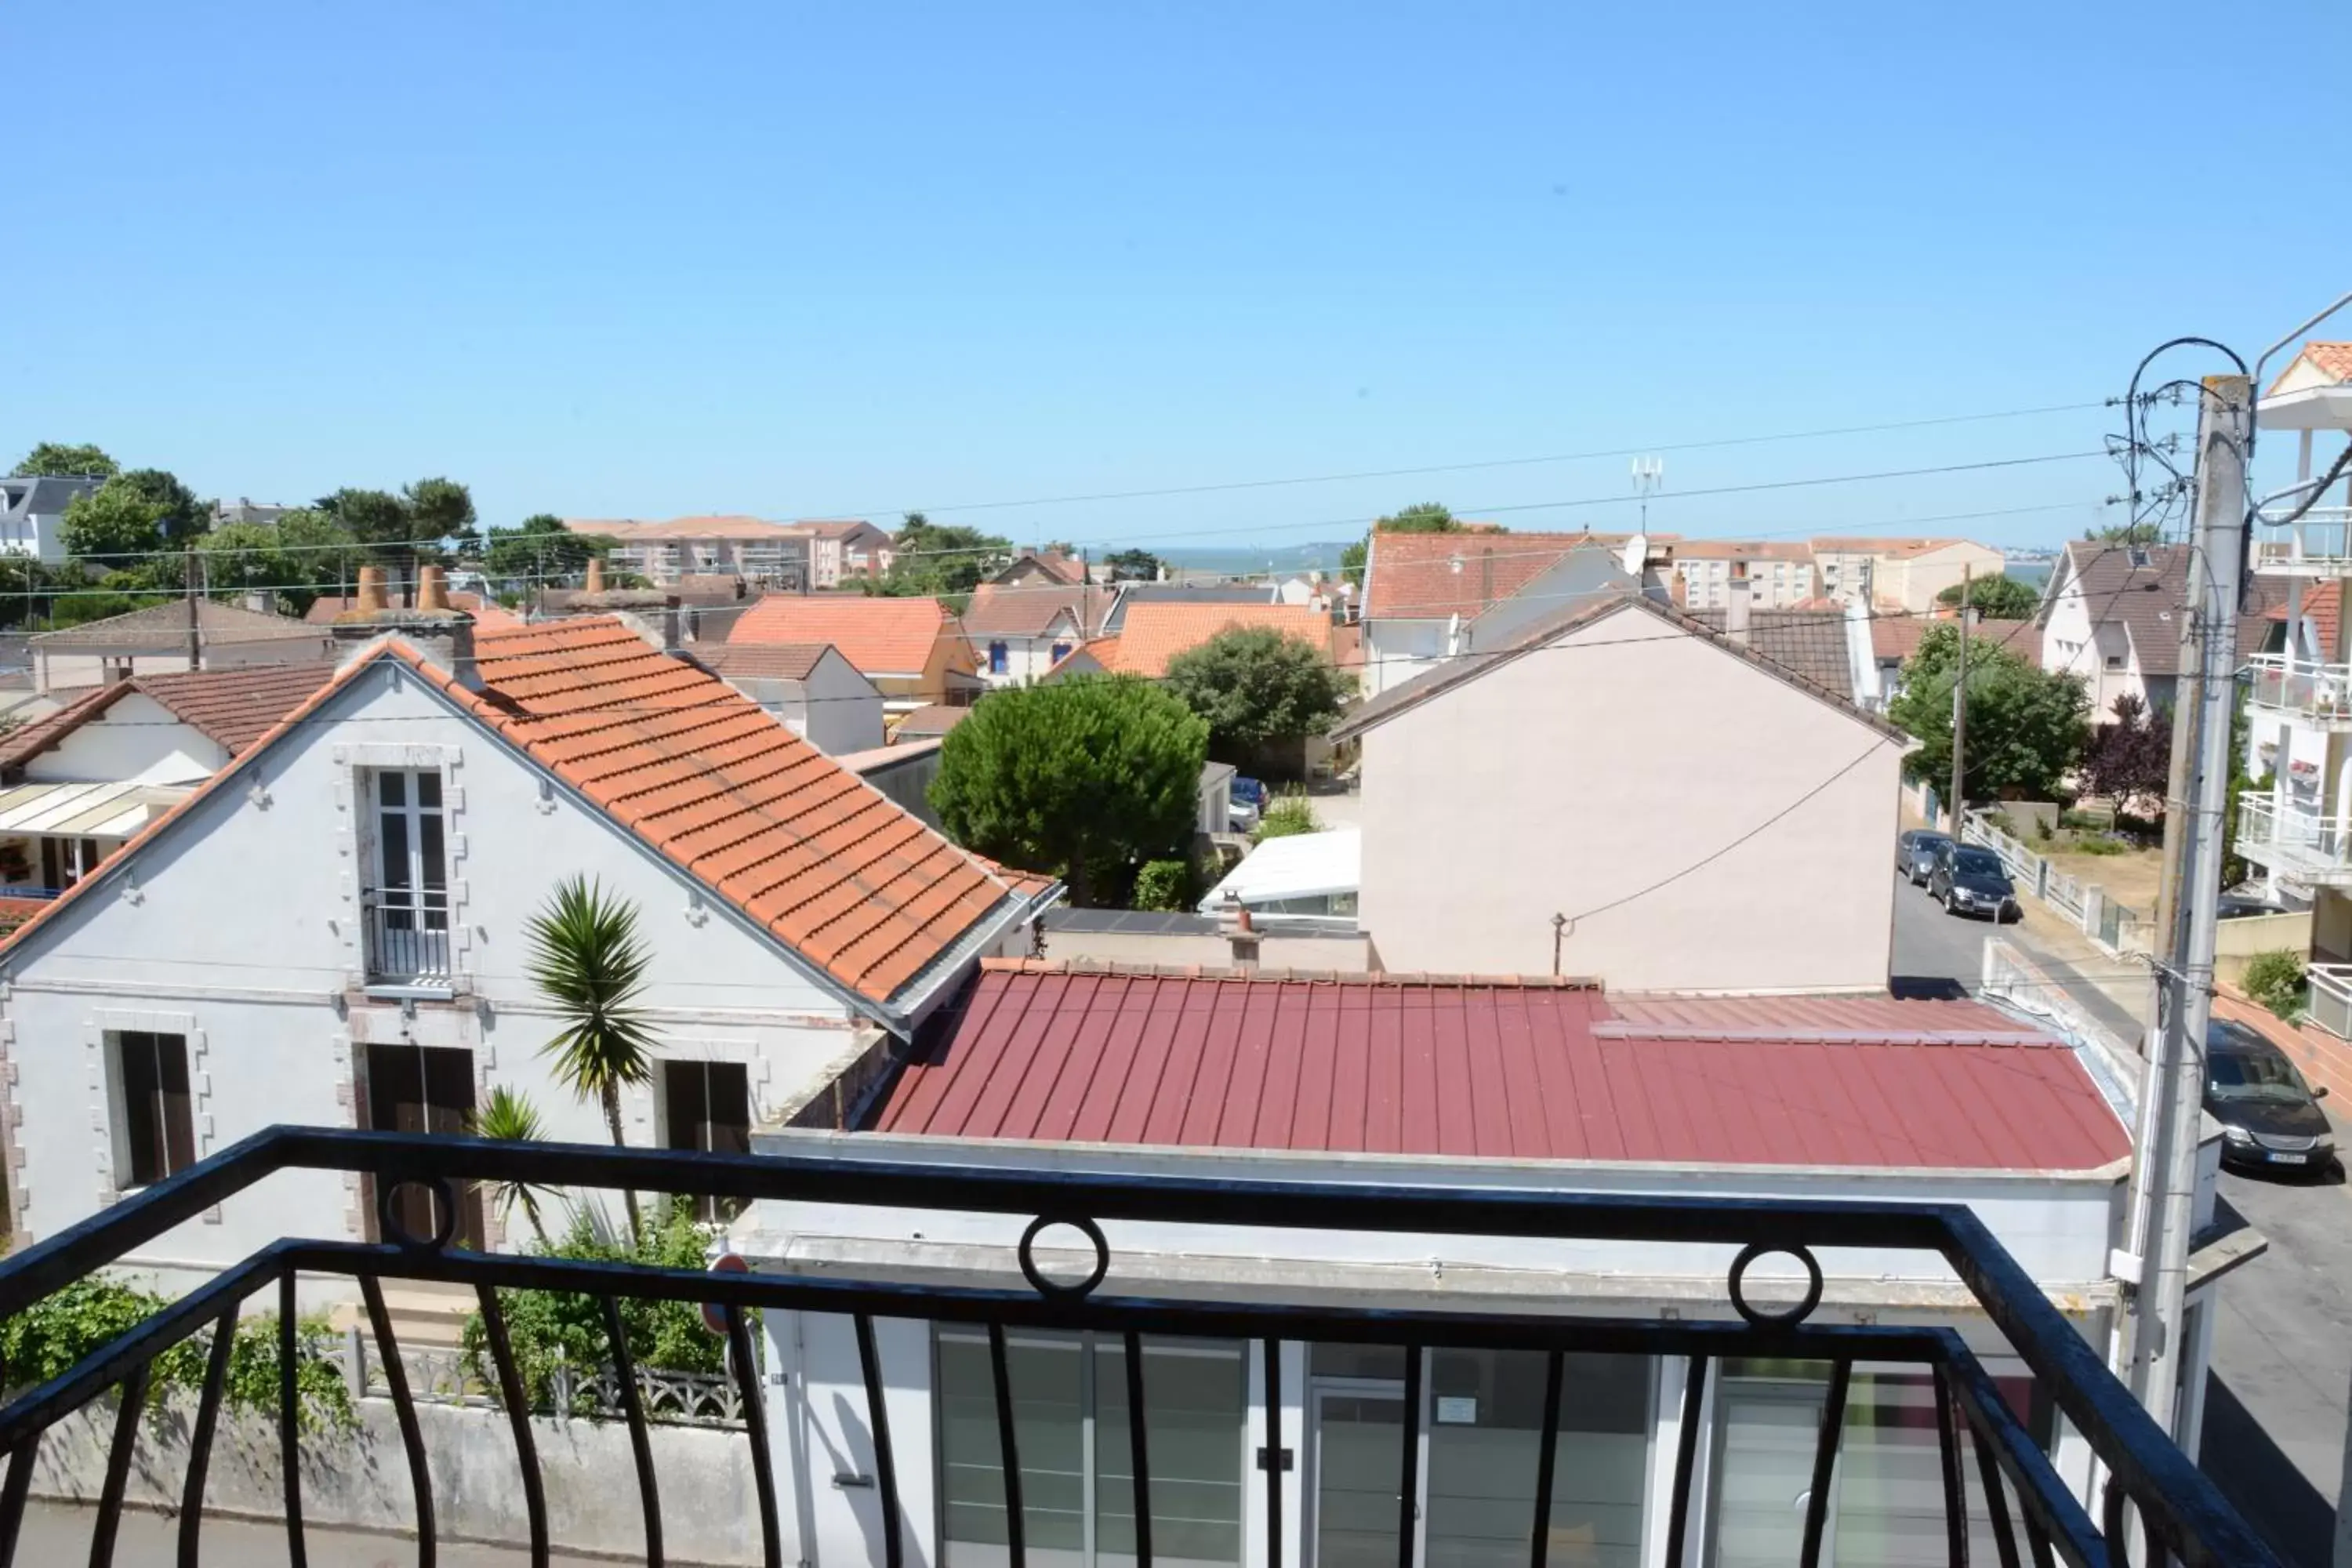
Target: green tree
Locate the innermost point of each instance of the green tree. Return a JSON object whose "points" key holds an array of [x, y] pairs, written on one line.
{"points": [[179, 515], [2125, 533], [1997, 598], [1134, 566], [439, 509], [57, 458], [1422, 517], [115, 522], [511, 1118], [1085, 779], [934, 560], [2027, 726], [1258, 689], [541, 547], [319, 551], [245, 557], [588, 960]]}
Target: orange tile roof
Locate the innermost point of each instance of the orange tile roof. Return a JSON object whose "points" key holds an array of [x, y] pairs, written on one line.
{"points": [[702, 777], [1412, 577], [759, 661], [1156, 631], [235, 706], [879, 636], [486, 612], [2333, 360], [2324, 606]]}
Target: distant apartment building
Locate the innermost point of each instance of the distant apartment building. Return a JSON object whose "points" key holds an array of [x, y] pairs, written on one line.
{"points": [[1780, 574], [1902, 573], [838, 552]]}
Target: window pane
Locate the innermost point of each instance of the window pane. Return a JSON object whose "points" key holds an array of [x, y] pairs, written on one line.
{"points": [[436, 867], [1484, 1438], [730, 1091], [682, 1086], [1194, 1393], [392, 789], [173, 1105], [1356, 1360], [428, 790], [393, 828], [141, 1128], [1048, 1433]]}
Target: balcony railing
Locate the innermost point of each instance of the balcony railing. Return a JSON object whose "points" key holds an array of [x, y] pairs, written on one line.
{"points": [[2317, 544], [2308, 848], [407, 938], [2318, 696], [2330, 1004], [2179, 1512]]}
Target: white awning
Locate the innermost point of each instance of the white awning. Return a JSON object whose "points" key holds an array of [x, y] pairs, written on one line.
{"points": [[1302, 865], [85, 810]]}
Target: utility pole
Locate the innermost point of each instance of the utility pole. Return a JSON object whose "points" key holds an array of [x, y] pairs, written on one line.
{"points": [[2164, 1170], [195, 632], [1960, 705]]}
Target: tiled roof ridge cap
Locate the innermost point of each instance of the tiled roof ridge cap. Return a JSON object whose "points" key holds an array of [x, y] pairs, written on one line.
{"points": [[1136, 969]]}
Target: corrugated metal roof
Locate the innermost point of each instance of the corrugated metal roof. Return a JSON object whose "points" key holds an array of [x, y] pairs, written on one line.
{"points": [[1486, 1068]]}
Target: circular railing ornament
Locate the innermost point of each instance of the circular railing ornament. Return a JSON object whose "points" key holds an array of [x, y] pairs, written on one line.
{"points": [[1794, 1315], [444, 1208], [1052, 1291]]}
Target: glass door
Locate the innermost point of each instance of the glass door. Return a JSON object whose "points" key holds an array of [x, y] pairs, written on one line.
{"points": [[1359, 1427], [1765, 1436]]}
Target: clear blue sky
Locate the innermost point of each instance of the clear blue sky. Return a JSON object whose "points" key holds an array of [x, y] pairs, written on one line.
{"points": [[615, 259]]}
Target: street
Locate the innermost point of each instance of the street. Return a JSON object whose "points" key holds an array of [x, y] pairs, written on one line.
{"points": [[60, 1533], [2275, 1401]]}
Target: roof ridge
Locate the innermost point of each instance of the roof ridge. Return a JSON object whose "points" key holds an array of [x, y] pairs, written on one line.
{"points": [[1392, 979]]}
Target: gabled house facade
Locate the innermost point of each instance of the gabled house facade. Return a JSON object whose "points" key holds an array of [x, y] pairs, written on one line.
{"points": [[810, 689], [1698, 817], [33, 513], [2111, 614], [1421, 590], [333, 929], [1021, 627]]}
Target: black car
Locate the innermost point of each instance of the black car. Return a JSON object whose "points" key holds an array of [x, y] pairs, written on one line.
{"points": [[1914, 853], [2270, 1117], [1968, 880]]}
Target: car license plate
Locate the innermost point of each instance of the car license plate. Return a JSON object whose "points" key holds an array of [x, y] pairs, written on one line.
{"points": [[2291, 1159]]}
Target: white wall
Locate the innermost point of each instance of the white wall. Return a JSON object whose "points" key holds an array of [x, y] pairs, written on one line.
{"points": [[1026, 658], [843, 708], [1592, 770], [1397, 650], [137, 738], [243, 934]]}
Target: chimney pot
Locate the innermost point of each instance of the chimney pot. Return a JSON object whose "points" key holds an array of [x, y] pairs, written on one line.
{"points": [[432, 589], [672, 629], [1734, 613], [595, 575], [371, 588]]}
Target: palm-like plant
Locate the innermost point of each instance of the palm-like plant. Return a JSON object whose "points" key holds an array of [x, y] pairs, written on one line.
{"points": [[587, 959], [511, 1118]]}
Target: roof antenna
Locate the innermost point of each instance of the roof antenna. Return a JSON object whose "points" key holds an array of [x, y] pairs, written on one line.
{"points": [[1648, 474], [1558, 929]]}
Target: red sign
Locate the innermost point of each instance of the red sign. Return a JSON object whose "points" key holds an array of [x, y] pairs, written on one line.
{"points": [[714, 1315]]}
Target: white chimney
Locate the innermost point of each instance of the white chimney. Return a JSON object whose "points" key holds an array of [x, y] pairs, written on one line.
{"points": [[1735, 612]]}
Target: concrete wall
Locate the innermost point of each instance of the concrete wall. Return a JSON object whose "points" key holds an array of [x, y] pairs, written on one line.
{"points": [[241, 930], [2237, 941], [1397, 650], [709, 1506], [1350, 954], [1921, 577], [137, 738], [1589, 772], [844, 712]]}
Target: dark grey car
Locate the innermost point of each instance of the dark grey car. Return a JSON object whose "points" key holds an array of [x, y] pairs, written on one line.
{"points": [[1968, 880], [2270, 1117]]}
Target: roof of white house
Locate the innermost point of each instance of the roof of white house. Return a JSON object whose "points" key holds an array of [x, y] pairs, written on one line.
{"points": [[1298, 866], [805, 851], [166, 625]]}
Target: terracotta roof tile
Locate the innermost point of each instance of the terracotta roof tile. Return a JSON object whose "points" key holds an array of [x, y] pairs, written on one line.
{"points": [[1155, 633], [931, 719], [879, 636], [2323, 605], [488, 612], [759, 661], [1028, 609], [829, 867], [1413, 576], [2329, 359], [235, 706]]}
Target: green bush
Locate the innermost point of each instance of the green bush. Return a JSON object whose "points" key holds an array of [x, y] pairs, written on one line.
{"points": [[2101, 844], [2274, 979], [53, 1334], [1164, 885], [547, 1325], [2094, 820], [1287, 815]]}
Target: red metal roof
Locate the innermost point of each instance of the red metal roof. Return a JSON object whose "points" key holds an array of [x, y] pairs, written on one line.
{"points": [[1501, 1069]]}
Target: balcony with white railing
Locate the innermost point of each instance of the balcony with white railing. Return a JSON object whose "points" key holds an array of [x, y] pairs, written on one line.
{"points": [[2306, 847], [2301, 692], [2330, 1004], [2317, 544]]}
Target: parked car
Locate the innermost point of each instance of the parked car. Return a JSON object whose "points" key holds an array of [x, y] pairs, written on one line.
{"points": [[1245, 804], [1914, 853], [2270, 1117], [1968, 880]]}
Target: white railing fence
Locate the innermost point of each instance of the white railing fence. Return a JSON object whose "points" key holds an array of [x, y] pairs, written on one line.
{"points": [[2329, 1002], [442, 1375]]}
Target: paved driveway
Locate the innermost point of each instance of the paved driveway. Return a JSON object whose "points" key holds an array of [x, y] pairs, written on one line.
{"points": [[2281, 1375]]}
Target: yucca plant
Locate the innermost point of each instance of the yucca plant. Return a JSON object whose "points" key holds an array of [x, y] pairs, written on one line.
{"points": [[511, 1118], [587, 959]]}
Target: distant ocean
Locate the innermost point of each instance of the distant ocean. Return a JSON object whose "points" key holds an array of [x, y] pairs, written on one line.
{"points": [[2033, 573], [1242, 561]]}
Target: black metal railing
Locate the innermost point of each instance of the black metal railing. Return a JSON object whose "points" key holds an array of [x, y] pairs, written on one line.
{"points": [[2179, 1514], [407, 938]]}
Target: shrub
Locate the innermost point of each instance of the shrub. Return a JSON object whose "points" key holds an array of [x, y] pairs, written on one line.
{"points": [[1164, 885], [547, 1325], [2101, 844], [1287, 815], [2044, 830], [60, 1329], [2274, 979]]}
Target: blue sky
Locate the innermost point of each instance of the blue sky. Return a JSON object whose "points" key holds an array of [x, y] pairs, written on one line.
{"points": [[629, 260]]}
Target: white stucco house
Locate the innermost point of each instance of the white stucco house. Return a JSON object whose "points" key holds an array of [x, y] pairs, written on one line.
{"points": [[1430, 597], [1699, 816], [2111, 614], [1020, 629], [33, 513], [330, 929], [1476, 1084]]}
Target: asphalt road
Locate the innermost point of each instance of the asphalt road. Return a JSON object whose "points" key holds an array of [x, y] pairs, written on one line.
{"points": [[2275, 1402], [59, 1533]]}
